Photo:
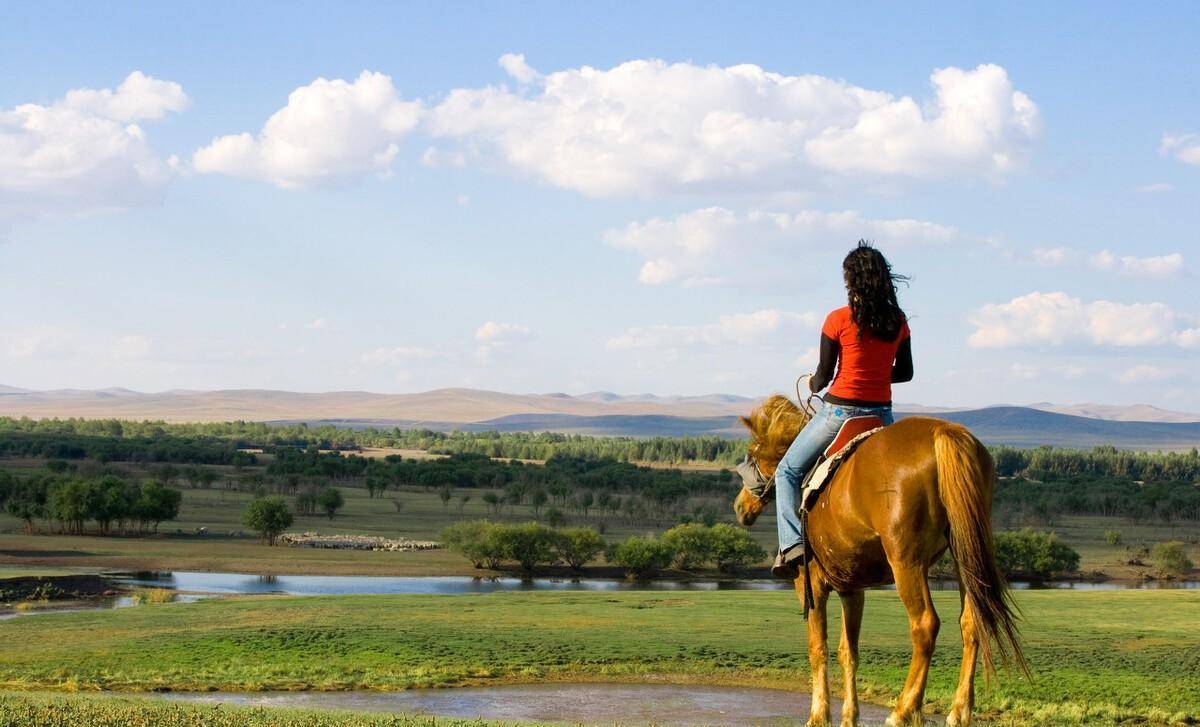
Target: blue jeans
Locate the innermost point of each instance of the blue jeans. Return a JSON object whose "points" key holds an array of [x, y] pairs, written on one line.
{"points": [[802, 455]]}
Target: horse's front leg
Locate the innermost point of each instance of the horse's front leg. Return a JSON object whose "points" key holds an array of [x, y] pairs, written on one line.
{"points": [[818, 650], [852, 613]]}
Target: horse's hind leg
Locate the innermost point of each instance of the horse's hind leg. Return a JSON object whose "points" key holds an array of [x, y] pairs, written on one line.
{"points": [[913, 587], [964, 696], [852, 613], [818, 651]]}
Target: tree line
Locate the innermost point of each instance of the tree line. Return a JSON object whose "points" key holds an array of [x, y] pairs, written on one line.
{"points": [[217, 443], [111, 502]]}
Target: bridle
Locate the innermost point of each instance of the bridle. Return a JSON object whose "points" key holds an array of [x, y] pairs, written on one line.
{"points": [[753, 479]]}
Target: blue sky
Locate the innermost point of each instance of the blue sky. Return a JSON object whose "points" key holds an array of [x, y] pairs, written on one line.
{"points": [[555, 196]]}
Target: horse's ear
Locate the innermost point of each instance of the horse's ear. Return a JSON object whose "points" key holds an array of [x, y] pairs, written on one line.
{"points": [[748, 424]]}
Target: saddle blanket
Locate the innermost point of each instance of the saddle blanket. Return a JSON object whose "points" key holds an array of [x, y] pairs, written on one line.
{"points": [[854, 432]]}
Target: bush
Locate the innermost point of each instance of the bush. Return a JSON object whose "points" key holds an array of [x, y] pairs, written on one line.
{"points": [[733, 548], [1171, 559], [529, 544], [1034, 554], [1112, 537], [577, 546], [641, 557], [270, 516], [691, 545]]}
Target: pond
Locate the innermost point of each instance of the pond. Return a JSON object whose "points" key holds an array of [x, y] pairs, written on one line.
{"points": [[660, 704], [242, 583]]}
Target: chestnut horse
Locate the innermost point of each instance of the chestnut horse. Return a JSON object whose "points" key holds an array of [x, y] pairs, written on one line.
{"points": [[908, 493]]}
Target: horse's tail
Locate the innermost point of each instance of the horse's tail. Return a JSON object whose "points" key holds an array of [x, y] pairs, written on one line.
{"points": [[965, 477]]}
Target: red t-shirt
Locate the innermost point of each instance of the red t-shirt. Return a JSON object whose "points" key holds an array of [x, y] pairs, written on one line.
{"points": [[864, 370]]}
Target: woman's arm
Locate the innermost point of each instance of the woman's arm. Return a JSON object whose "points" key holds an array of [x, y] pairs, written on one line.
{"points": [[829, 356], [902, 370]]}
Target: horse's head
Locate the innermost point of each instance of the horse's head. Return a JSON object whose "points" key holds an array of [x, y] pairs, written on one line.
{"points": [[773, 425]]}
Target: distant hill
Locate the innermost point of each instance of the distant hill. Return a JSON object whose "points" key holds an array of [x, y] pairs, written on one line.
{"points": [[595, 413], [1131, 413]]}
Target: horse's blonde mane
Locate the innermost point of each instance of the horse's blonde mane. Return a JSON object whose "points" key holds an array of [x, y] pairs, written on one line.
{"points": [[773, 425]]}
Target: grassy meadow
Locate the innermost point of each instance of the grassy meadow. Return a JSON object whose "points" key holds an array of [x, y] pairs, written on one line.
{"points": [[1095, 656]]}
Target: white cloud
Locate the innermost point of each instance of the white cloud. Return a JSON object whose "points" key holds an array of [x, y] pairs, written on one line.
{"points": [[495, 336], [1059, 319], [83, 153], [1184, 147], [1142, 373], [139, 97], [727, 330], [649, 127], [317, 324], [514, 65], [330, 133], [394, 355], [1054, 256], [1157, 187], [704, 245], [1157, 266], [1021, 370], [493, 332], [1153, 266]]}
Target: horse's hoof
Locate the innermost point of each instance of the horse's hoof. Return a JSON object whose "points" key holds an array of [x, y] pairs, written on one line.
{"points": [[958, 718], [898, 720]]}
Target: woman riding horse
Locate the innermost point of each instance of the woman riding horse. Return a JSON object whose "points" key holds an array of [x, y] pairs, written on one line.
{"points": [[908, 493], [870, 343]]}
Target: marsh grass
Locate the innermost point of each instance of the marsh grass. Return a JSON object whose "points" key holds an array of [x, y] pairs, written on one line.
{"points": [[144, 596]]}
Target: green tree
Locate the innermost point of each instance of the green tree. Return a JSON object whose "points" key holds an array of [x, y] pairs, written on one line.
{"points": [[330, 500], [577, 546], [156, 503], [641, 557], [1034, 554], [734, 548], [445, 495], [476, 540], [691, 545], [555, 518], [269, 516], [529, 544]]}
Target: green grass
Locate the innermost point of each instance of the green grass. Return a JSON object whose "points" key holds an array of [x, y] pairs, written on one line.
{"points": [[59, 710], [1096, 657]]}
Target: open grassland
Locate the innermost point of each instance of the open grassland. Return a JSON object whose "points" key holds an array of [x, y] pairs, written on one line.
{"points": [[59, 710], [1096, 657]]}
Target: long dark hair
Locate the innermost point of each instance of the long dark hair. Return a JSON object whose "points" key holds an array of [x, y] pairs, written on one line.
{"points": [[871, 288]]}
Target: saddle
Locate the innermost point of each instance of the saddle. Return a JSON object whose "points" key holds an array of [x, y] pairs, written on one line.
{"points": [[854, 431]]}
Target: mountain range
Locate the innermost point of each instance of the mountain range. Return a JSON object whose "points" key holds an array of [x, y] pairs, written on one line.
{"points": [[599, 413]]}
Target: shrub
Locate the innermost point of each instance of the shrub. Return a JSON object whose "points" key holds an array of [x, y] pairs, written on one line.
{"points": [[555, 517], [733, 548], [529, 544], [577, 546], [1034, 554], [691, 545], [641, 557], [144, 596], [1171, 559], [1112, 537], [270, 516]]}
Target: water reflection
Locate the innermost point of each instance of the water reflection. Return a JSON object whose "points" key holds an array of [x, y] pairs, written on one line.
{"points": [[243, 583]]}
